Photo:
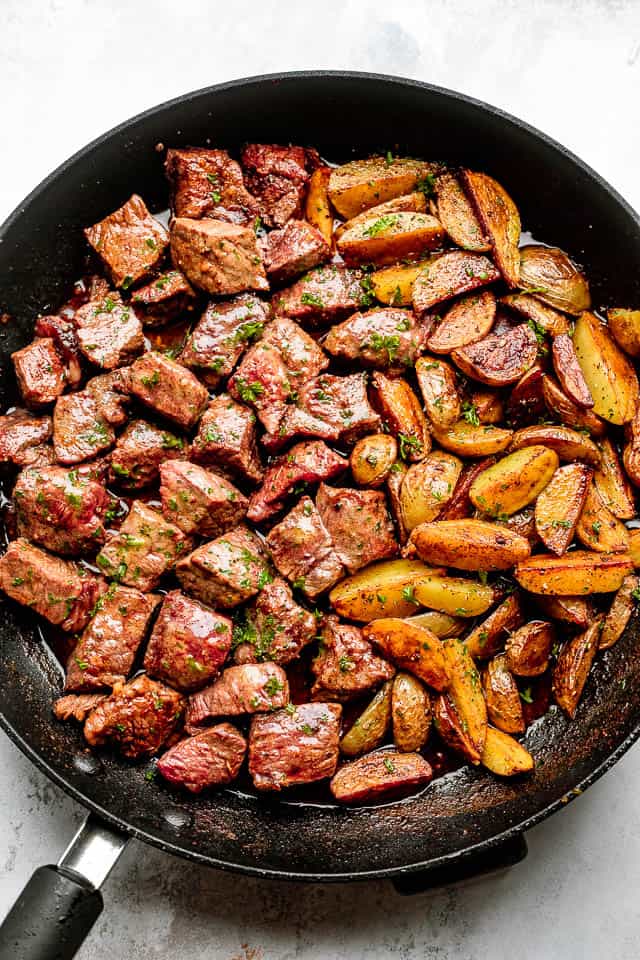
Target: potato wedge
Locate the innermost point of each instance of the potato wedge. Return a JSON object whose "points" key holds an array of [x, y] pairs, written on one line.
{"points": [[573, 666], [402, 413], [514, 481], [394, 486], [469, 545], [389, 238], [549, 274], [631, 452], [465, 691], [622, 607], [381, 590], [372, 458], [574, 610], [524, 523], [499, 359], [453, 729], [500, 221], [634, 547], [486, 405], [624, 326], [394, 285], [569, 372], [598, 529], [427, 487], [442, 624], [317, 210], [542, 316], [454, 595], [361, 184], [467, 440], [437, 382], [526, 399], [460, 506], [571, 415], [410, 712], [568, 444], [580, 572], [415, 202], [449, 276], [504, 756], [457, 216], [611, 483], [504, 706], [369, 730], [560, 504], [489, 636], [609, 374], [411, 648], [468, 320], [528, 648]]}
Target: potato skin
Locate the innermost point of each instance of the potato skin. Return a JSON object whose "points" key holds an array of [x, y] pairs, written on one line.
{"points": [[500, 220], [598, 529], [575, 610], [580, 572], [469, 319], [568, 444], [514, 481], [571, 415], [611, 483], [460, 505], [554, 278], [372, 458], [469, 545], [437, 382], [465, 691], [392, 237], [466, 440], [631, 452], [377, 774], [609, 374], [504, 707], [453, 729], [402, 412], [450, 275], [499, 359], [369, 730], [545, 317], [625, 329], [569, 372], [504, 756], [573, 666], [410, 648], [317, 209], [411, 713], [457, 215], [620, 612], [427, 487], [442, 624], [488, 637], [361, 184], [381, 590], [415, 202], [560, 504], [528, 649]]}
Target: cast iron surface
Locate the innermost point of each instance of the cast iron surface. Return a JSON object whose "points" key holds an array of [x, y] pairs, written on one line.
{"points": [[41, 252]]}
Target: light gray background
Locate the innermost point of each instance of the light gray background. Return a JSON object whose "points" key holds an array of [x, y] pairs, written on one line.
{"points": [[70, 69]]}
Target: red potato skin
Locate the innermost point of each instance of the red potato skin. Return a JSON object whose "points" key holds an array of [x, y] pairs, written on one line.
{"points": [[375, 775], [568, 371]]}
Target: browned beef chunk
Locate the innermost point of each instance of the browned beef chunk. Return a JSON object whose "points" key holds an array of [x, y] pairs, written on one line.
{"points": [[223, 333], [136, 719], [199, 501], [322, 296], [387, 338], [106, 650], [226, 438], [130, 242], [109, 333], [249, 688], [143, 549], [76, 706], [220, 258], [189, 643], [358, 523], [346, 665], [306, 462], [226, 571], [60, 510], [274, 627], [140, 450], [295, 248], [210, 759], [302, 550], [293, 747], [168, 388], [110, 392], [63, 333], [80, 432], [277, 176], [164, 299], [21, 437], [59, 590], [386, 773], [208, 183], [39, 372]]}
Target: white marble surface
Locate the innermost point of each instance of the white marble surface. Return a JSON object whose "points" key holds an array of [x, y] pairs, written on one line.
{"points": [[69, 69]]}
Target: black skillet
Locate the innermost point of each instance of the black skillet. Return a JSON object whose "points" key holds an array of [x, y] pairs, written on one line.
{"points": [[464, 823]]}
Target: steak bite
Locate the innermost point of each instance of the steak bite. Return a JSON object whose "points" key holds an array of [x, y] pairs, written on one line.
{"points": [[220, 258], [226, 438], [130, 242], [306, 462], [199, 501], [302, 550], [277, 176], [274, 627], [65, 339], [293, 249], [189, 643], [249, 688], [143, 549], [163, 299], [386, 338], [226, 571], [21, 437], [140, 450], [168, 388], [106, 649], [323, 296], [76, 706], [346, 665], [288, 748], [80, 432], [109, 332], [136, 719], [386, 773], [358, 523], [60, 591], [39, 371], [110, 392], [210, 759], [208, 183]]}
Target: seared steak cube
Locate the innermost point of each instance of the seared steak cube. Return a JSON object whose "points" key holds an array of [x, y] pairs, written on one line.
{"points": [[306, 462], [110, 392], [277, 176], [189, 643], [303, 551], [226, 571], [297, 746], [295, 248], [64, 336], [386, 338], [136, 719], [80, 432], [168, 388], [322, 296], [76, 706], [39, 372], [358, 523], [274, 627], [388, 773], [163, 299], [21, 436], [210, 759], [140, 450], [226, 438], [223, 333], [59, 590], [60, 510], [249, 688], [208, 183], [130, 242], [220, 258], [106, 649], [199, 501], [109, 333], [143, 549], [346, 665]]}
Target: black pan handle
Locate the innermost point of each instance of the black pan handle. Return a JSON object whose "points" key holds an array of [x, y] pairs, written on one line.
{"points": [[60, 904], [500, 856]]}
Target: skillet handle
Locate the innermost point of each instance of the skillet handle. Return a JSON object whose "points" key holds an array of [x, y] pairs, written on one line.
{"points": [[499, 857]]}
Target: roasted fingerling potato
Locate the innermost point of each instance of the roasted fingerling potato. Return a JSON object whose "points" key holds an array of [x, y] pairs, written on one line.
{"points": [[362, 184], [548, 274], [457, 216], [504, 756], [372, 458], [573, 666], [370, 728], [469, 319], [504, 706], [410, 712], [317, 208], [411, 648], [489, 636], [500, 221], [385, 589]]}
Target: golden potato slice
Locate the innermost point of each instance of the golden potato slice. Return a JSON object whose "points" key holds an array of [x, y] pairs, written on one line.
{"points": [[411, 648], [391, 237], [488, 637], [504, 756], [580, 572], [317, 210], [611, 483], [372, 458], [549, 274], [541, 316], [598, 529], [469, 545], [369, 730], [394, 285], [453, 729], [568, 444], [468, 320], [504, 707], [450, 275], [528, 648], [467, 440], [569, 372], [484, 405], [465, 691], [460, 505], [571, 415], [457, 215], [608, 372], [402, 413], [427, 487], [573, 665], [411, 713], [499, 359], [574, 610], [455, 596], [415, 202], [620, 612], [442, 624], [560, 504], [437, 382], [394, 487], [514, 481], [500, 221], [382, 590], [625, 329], [361, 184]]}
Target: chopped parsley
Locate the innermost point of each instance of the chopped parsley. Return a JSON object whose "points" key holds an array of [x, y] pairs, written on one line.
{"points": [[409, 445], [311, 300], [249, 392], [380, 343], [409, 594], [388, 764], [526, 695], [380, 225], [273, 686], [470, 413]]}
